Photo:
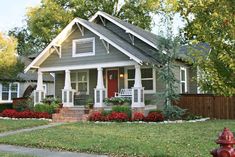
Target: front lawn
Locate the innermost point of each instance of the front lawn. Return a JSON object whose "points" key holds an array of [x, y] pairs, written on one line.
{"points": [[9, 125], [123, 139], [2, 154]]}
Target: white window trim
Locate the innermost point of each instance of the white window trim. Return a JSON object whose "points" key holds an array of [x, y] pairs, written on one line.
{"points": [[185, 81], [77, 82], [145, 91], [74, 54], [9, 92]]}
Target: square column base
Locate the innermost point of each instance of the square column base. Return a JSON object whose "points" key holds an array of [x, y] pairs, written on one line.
{"points": [[68, 97], [39, 95], [100, 95], [137, 97]]}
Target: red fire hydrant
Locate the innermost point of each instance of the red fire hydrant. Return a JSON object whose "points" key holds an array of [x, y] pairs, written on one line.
{"points": [[226, 141]]}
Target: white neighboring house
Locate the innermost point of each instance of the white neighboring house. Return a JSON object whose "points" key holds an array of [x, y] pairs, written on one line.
{"points": [[10, 89]]}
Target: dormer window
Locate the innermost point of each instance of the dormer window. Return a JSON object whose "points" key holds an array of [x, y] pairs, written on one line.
{"points": [[83, 47]]}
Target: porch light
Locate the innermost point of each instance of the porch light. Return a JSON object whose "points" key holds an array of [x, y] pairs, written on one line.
{"points": [[121, 75]]}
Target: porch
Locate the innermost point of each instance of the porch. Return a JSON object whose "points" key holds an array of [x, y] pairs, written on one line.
{"points": [[78, 84]]}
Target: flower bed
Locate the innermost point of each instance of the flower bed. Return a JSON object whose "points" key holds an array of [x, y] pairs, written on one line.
{"points": [[123, 117], [11, 113]]}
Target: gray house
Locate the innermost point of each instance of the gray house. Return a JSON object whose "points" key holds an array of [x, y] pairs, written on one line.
{"points": [[102, 57], [10, 89]]}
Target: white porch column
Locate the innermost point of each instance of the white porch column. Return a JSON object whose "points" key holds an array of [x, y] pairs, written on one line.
{"points": [[100, 91], [39, 93], [137, 90], [67, 92]]}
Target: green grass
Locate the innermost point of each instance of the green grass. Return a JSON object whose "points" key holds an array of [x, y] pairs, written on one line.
{"points": [[2, 154], [8, 125], [123, 139]]}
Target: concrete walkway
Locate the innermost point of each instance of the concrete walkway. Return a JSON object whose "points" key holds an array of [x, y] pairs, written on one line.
{"points": [[43, 152], [29, 129], [39, 152]]}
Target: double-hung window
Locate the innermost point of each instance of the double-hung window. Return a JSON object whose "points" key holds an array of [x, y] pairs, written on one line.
{"points": [[83, 47], [9, 91], [147, 78], [80, 81], [183, 80]]}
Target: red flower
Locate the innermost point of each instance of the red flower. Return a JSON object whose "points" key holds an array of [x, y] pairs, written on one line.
{"points": [[118, 116], [154, 117], [96, 116], [24, 114], [138, 116]]}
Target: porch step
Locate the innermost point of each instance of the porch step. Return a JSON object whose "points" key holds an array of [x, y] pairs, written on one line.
{"points": [[73, 114]]}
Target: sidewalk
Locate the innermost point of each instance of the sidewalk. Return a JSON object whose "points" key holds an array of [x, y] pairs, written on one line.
{"points": [[29, 129], [39, 152], [42, 152]]}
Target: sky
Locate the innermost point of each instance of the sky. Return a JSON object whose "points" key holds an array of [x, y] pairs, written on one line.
{"points": [[12, 14]]}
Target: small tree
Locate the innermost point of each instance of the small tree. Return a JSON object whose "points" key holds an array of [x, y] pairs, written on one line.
{"points": [[167, 76], [169, 48]]}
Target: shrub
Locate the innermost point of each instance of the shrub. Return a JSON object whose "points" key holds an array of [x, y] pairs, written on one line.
{"points": [[24, 114], [155, 110], [5, 106], [189, 116], [51, 100], [46, 108], [154, 117], [173, 112], [122, 109], [138, 116], [106, 113], [118, 117], [96, 116], [21, 104], [147, 101]]}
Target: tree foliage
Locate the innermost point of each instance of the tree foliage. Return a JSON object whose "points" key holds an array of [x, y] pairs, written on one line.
{"points": [[27, 44], [10, 66], [47, 20], [212, 22]]}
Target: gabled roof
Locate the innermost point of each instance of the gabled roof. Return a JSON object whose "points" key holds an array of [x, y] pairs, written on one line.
{"points": [[104, 34], [113, 38], [146, 36]]}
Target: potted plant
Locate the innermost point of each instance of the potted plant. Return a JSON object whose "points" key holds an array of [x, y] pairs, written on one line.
{"points": [[89, 105]]}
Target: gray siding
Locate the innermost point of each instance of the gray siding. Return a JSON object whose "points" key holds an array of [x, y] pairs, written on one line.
{"points": [[59, 84], [100, 56], [191, 76], [92, 81], [192, 82]]}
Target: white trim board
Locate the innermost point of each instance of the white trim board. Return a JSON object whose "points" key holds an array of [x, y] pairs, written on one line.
{"points": [[186, 79], [99, 13], [45, 53], [89, 66], [63, 35]]}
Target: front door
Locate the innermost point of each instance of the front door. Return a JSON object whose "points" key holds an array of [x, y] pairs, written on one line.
{"points": [[112, 77]]}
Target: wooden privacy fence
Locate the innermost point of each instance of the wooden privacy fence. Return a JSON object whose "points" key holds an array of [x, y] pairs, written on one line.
{"points": [[208, 105]]}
